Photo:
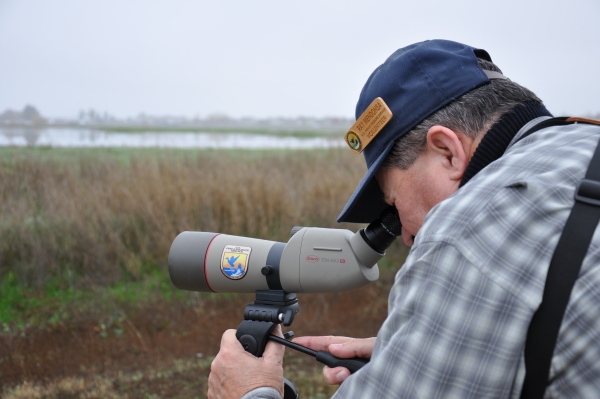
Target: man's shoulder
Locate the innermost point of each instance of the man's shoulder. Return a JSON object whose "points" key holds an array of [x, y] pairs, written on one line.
{"points": [[542, 167], [558, 123]]}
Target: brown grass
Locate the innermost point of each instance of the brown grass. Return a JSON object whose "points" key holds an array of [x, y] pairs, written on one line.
{"points": [[101, 218], [180, 379], [94, 217], [81, 358]]}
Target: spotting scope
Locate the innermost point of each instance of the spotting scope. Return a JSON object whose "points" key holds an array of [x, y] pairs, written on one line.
{"points": [[313, 260]]}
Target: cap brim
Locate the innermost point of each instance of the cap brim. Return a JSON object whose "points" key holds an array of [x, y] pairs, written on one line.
{"points": [[366, 203]]}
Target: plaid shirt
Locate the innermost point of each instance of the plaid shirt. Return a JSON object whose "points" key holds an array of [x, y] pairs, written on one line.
{"points": [[461, 305]]}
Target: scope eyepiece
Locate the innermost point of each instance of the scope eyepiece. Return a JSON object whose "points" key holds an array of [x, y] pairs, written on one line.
{"points": [[380, 233]]}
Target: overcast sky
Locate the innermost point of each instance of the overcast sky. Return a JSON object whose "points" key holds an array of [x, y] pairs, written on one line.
{"points": [[275, 58]]}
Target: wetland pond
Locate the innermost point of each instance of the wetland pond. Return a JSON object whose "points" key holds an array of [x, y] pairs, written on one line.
{"points": [[83, 137]]}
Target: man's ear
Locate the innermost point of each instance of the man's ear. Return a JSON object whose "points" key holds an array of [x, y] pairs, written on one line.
{"points": [[449, 147]]}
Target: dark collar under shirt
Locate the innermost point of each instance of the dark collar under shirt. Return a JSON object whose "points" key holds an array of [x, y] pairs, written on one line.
{"points": [[496, 140]]}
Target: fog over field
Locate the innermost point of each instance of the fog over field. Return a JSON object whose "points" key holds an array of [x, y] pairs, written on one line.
{"points": [[271, 58]]}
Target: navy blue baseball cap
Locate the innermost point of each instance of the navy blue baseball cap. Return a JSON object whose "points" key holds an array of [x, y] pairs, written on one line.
{"points": [[414, 82]]}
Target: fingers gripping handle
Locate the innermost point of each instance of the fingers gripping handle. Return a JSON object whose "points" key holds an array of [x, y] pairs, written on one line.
{"points": [[352, 364]]}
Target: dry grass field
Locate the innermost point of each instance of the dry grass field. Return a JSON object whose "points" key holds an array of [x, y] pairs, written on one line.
{"points": [[86, 306], [100, 217]]}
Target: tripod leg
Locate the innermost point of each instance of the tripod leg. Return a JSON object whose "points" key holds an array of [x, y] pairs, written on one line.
{"points": [[289, 390]]}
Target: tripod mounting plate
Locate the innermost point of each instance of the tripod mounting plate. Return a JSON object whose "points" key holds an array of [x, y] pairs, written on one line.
{"points": [[273, 306]]}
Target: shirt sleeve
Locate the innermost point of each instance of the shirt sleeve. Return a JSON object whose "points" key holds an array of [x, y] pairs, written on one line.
{"points": [[262, 393], [451, 332]]}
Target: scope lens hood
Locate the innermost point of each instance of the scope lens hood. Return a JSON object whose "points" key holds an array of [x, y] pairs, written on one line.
{"points": [[186, 260]]}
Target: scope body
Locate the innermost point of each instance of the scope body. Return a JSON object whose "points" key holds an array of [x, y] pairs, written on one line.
{"points": [[313, 260]]}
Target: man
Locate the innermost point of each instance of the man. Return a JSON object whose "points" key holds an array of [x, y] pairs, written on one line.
{"points": [[483, 209]]}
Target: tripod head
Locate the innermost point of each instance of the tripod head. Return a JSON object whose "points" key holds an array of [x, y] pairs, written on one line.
{"points": [[261, 316]]}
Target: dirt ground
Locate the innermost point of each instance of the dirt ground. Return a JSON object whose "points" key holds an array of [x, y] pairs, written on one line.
{"points": [[165, 350]]}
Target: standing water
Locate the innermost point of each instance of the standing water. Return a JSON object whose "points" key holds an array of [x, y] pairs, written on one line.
{"points": [[73, 137]]}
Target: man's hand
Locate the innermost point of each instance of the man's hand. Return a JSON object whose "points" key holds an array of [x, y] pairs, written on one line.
{"points": [[234, 372], [342, 347]]}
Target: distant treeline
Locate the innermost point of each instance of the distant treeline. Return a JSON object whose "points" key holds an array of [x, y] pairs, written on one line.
{"points": [[30, 116]]}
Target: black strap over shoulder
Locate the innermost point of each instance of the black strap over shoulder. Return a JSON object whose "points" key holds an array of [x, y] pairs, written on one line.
{"points": [[557, 121], [562, 273]]}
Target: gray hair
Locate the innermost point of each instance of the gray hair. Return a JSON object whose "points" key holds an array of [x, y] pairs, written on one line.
{"points": [[473, 114]]}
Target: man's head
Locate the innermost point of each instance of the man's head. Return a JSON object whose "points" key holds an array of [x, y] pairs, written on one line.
{"points": [[443, 102], [431, 178]]}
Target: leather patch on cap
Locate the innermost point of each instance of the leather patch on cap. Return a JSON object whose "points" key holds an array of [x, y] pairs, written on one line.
{"points": [[584, 120], [368, 125]]}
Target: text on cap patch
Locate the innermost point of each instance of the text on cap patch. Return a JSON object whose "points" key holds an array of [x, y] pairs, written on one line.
{"points": [[368, 125]]}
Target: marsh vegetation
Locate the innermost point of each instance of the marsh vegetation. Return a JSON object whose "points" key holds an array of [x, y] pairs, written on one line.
{"points": [[86, 304]]}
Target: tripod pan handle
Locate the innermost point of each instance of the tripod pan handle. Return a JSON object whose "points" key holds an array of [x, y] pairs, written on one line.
{"points": [[352, 364]]}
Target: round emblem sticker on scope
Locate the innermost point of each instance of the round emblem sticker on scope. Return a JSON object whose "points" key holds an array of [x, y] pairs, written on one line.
{"points": [[234, 262], [353, 141]]}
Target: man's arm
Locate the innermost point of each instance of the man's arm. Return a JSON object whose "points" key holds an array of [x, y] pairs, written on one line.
{"points": [[452, 332]]}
